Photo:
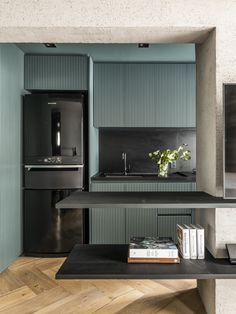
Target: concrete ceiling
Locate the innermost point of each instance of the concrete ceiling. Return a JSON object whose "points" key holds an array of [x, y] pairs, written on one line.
{"points": [[162, 35]]}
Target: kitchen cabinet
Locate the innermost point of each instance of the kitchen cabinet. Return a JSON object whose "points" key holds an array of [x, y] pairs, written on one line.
{"points": [[144, 95], [56, 72], [109, 94], [107, 225], [118, 225], [139, 221]]}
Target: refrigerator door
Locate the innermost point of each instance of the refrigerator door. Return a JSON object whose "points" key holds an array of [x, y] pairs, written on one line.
{"points": [[48, 230], [53, 126]]}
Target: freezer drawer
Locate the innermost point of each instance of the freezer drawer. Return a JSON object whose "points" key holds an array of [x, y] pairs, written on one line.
{"points": [[54, 177], [48, 230]]}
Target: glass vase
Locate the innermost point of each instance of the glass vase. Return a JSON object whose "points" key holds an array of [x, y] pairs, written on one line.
{"points": [[163, 170]]}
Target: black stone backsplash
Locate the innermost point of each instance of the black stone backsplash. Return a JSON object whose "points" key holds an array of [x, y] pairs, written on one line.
{"points": [[138, 142]]}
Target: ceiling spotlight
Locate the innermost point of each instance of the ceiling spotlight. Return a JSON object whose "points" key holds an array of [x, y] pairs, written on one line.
{"points": [[50, 45], [143, 45]]}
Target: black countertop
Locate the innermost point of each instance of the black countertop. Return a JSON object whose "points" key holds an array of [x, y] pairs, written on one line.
{"points": [[144, 200], [144, 177]]}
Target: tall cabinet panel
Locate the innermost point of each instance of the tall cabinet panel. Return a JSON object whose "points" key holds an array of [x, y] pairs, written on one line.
{"points": [[56, 72], [175, 95], [109, 95], [139, 95], [107, 225]]}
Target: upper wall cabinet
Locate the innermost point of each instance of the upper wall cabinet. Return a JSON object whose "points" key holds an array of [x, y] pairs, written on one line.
{"points": [[109, 94], [144, 95], [56, 72]]}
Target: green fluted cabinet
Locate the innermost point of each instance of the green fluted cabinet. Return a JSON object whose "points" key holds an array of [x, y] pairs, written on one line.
{"points": [[141, 221], [109, 94], [144, 95], [107, 225], [56, 72], [117, 225]]}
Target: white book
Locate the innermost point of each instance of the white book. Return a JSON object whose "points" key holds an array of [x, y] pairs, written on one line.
{"points": [[152, 247], [192, 242], [152, 253], [200, 241], [183, 241]]}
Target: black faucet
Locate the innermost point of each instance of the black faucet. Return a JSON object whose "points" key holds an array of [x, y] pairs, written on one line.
{"points": [[125, 163]]}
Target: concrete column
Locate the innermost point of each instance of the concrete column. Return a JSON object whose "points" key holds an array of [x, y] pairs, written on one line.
{"points": [[218, 296]]}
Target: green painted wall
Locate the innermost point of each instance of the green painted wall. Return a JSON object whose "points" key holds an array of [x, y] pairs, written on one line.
{"points": [[11, 87], [120, 52]]}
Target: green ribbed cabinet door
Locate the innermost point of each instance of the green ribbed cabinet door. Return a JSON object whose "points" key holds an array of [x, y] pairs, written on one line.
{"points": [[176, 187], [107, 225], [168, 218], [56, 72], [141, 221], [109, 94], [175, 95], [140, 96]]}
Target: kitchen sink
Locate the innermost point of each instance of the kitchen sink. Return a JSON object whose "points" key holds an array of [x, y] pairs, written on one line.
{"points": [[120, 174], [140, 174]]}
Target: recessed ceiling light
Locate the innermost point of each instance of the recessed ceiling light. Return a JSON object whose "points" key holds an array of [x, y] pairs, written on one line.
{"points": [[50, 45], [143, 45]]}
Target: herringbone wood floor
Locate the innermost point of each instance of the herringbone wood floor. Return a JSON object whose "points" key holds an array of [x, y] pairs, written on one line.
{"points": [[28, 286]]}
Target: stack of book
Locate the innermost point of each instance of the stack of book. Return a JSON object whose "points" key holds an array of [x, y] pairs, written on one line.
{"points": [[153, 250], [191, 241]]}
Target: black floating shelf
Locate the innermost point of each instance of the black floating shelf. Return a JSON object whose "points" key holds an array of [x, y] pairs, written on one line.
{"points": [[144, 200], [109, 261]]}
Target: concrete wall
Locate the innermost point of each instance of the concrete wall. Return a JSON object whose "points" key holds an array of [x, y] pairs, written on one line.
{"points": [[11, 87], [206, 115]]}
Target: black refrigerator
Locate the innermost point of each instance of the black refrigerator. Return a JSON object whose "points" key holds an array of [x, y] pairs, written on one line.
{"points": [[55, 165]]}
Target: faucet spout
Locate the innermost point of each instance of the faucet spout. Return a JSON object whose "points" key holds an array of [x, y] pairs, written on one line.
{"points": [[125, 163]]}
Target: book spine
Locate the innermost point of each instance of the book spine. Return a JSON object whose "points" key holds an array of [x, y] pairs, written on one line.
{"points": [[186, 244], [153, 253], [200, 244], [193, 243], [154, 260]]}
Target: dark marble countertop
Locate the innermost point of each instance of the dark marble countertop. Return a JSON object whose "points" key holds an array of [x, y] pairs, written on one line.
{"points": [[144, 177]]}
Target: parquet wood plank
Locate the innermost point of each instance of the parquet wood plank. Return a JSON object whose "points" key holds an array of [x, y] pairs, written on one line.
{"points": [[39, 301], [76, 303], [36, 280], [15, 297], [117, 304], [9, 282], [73, 286]]}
